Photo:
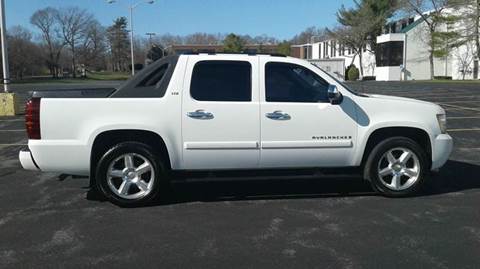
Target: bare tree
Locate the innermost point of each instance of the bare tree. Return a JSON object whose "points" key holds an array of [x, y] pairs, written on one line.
{"points": [[469, 11], [23, 53], [307, 34], [45, 20], [74, 23], [94, 48], [432, 20], [465, 59], [353, 38], [202, 39]]}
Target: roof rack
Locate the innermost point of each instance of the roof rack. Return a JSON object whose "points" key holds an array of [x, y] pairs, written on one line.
{"points": [[233, 53]]}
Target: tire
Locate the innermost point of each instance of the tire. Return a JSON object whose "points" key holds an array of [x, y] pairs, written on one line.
{"points": [[397, 167], [130, 174]]}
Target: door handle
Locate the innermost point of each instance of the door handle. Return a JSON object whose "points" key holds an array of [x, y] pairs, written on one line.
{"points": [[278, 115], [200, 114]]}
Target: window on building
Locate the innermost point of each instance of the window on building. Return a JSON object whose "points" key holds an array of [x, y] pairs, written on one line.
{"points": [[326, 49], [293, 83], [393, 28], [389, 54], [222, 81]]}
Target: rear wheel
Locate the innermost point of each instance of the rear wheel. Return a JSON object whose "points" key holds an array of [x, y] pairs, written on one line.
{"points": [[130, 174], [397, 167]]}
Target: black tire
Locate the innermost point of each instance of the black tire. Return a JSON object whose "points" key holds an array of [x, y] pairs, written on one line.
{"points": [[371, 169], [138, 149]]}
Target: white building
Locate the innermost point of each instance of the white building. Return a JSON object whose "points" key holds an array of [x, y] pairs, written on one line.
{"points": [[402, 54]]}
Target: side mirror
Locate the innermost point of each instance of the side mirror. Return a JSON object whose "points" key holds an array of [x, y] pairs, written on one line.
{"points": [[334, 95]]}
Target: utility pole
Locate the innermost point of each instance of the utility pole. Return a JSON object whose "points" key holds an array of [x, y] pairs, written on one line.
{"points": [[3, 34], [150, 38], [132, 55]]}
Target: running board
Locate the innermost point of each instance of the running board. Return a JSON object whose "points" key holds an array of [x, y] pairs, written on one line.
{"points": [[263, 175]]}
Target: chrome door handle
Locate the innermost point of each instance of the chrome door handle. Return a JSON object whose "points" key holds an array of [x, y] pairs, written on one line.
{"points": [[200, 114], [278, 115]]}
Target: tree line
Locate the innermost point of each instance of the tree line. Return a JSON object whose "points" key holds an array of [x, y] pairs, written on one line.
{"points": [[70, 41]]}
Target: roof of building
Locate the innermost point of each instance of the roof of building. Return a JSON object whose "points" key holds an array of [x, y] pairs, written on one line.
{"points": [[412, 25]]}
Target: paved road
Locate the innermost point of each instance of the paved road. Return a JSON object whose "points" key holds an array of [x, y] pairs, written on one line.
{"points": [[51, 221]]}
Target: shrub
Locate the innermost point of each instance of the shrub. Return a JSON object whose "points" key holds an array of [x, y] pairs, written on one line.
{"points": [[353, 73], [365, 78], [442, 78]]}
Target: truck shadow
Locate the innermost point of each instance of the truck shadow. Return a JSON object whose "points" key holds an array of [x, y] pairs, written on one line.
{"points": [[455, 176]]}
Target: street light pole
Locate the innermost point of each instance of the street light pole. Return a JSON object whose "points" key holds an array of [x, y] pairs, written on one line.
{"points": [[3, 34], [132, 55], [131, 8]]}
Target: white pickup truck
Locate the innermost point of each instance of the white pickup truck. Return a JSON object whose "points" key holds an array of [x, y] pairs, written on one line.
{"points": [[229, 112]]}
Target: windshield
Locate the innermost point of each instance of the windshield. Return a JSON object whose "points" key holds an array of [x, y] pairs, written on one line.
{"points": [[341, 83]]}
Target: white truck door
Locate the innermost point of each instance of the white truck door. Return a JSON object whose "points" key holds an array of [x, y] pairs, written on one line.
{"points": [[220, 113], [299, 126]]}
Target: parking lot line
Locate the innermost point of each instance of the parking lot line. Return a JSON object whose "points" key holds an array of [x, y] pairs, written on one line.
{"points": [[6, 145], [456, 97], [461, 107], [461, 118], [18, 130], [466, 101], [464, 130], [14, 120]]}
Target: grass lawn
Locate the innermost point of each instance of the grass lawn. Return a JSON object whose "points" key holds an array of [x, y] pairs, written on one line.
{"points": [[91, 76]]}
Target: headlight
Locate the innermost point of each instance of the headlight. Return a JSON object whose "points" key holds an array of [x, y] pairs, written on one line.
{"points": [[442, 122]]}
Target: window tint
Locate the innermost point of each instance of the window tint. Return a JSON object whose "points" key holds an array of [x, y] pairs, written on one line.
{"points": [[222, 81], [390, 54], [293, 83], [155, 77]]}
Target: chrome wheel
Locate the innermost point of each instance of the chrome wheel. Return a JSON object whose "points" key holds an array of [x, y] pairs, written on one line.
{"points": [[399, 169], [131, 176]]}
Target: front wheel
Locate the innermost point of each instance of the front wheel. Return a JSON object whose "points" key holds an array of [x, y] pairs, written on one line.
{"points": [[130, 174], [397, 167]]}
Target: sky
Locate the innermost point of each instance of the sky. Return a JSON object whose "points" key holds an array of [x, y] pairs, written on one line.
{"points": [[278, 18]]}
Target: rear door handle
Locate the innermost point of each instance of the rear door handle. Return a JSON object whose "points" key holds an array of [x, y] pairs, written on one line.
{"points": [[200, 114], [278, 115]]}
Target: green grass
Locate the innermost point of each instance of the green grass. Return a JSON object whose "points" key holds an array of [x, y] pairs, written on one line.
{"points": [[107, 76], [91, 77]]}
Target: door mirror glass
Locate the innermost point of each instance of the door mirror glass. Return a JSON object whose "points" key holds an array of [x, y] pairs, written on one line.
{"points": [[334, 95]]}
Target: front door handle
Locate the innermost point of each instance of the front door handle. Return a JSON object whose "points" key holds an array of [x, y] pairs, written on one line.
{"points": [[278, 115], [200, 114]]}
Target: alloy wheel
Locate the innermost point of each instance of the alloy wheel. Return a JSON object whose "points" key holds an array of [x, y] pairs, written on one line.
{"points": [[399, 169]]}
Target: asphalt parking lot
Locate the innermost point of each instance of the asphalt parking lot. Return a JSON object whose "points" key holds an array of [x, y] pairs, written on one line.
{"points": [[52, 221]]}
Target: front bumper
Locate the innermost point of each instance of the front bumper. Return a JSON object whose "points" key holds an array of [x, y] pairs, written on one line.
{"points": [[27, 161], [441, 149]]}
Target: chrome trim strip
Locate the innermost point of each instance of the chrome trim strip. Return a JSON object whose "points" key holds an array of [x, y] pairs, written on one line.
{"points": [[221, 145], [344, 143]]}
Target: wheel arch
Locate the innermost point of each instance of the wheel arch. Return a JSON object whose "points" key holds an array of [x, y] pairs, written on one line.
{"points": [[106, 139], [418, 135]]}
